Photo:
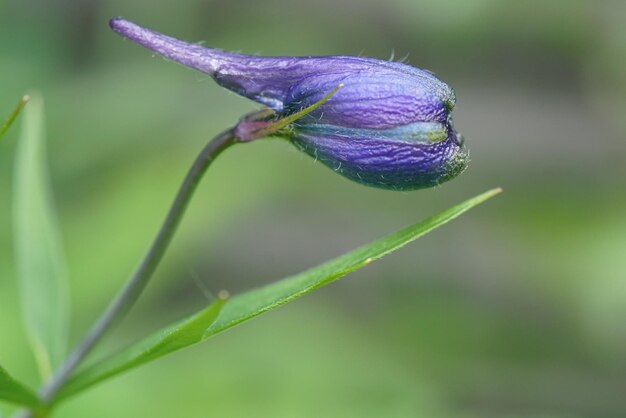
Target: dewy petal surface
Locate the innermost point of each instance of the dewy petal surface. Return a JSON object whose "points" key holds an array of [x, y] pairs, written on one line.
{"points": [[389, 125]]}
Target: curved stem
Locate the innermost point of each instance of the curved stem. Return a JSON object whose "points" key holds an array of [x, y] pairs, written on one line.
{"points": [[130, 293]]}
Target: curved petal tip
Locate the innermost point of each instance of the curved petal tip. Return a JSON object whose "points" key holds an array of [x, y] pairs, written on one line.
{"points": [[121, 25]]}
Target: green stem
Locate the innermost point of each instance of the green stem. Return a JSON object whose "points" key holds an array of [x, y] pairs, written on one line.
{"points": [[131, 292]]}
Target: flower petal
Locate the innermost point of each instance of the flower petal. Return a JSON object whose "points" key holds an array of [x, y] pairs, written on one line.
{"points": [[386, 162], [378, 93]]}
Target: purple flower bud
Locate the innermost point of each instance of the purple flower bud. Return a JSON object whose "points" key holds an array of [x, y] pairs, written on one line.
{"points": [[389, 125]]}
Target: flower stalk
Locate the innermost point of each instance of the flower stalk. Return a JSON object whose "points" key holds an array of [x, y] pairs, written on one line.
{"points": [[138, 281]]}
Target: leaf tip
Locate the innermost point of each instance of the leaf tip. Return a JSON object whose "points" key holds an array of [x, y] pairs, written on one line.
{"points": [[490, 193], [4, 127]]}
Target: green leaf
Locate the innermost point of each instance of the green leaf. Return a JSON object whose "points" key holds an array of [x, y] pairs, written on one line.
{"points": [[250, 304], [15, 392], [43, 280], [7, 123], [173, 338]]}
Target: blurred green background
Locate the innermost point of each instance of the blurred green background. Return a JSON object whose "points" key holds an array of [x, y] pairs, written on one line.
{"points": [[517, 309]]}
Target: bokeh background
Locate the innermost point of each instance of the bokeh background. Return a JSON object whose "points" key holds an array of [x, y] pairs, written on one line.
{"points": [[517, 309]]}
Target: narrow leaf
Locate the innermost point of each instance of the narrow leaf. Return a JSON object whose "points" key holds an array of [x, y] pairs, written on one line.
{"points": [[250, 304], [173, 338], [7, 123], [43, 281], [14, 392]]}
